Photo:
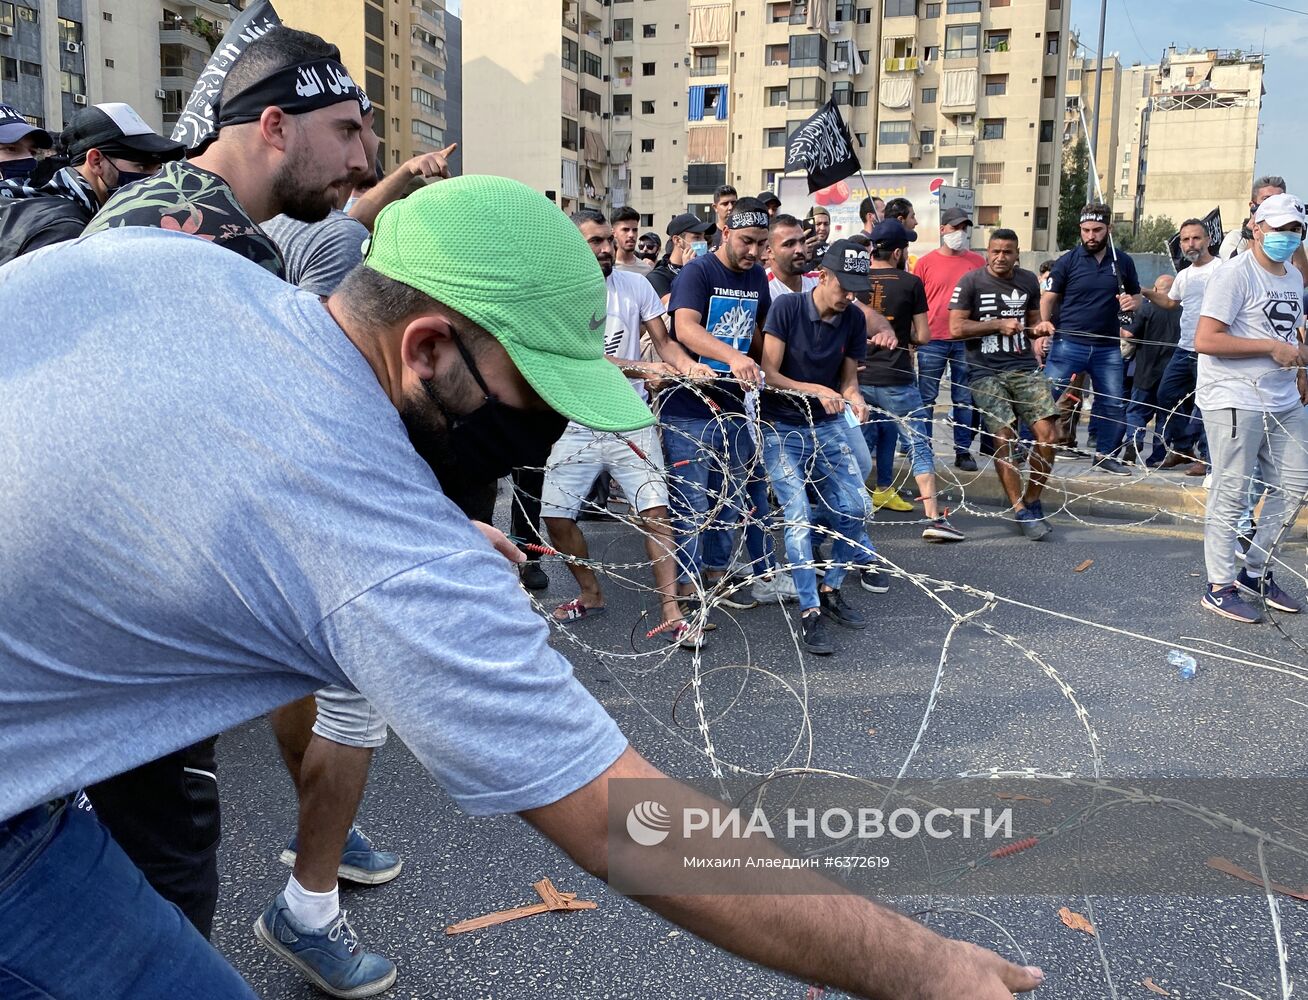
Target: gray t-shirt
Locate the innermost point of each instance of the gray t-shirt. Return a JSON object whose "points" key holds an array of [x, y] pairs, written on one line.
{"points": [[212, 508], [1259, 305], [318, 254]]}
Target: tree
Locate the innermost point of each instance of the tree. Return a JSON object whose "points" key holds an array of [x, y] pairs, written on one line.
{"points": [[1076, 171], [1150, 236]]}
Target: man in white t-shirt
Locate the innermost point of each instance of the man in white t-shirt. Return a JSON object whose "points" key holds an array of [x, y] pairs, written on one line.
{"points": [[1248, 392], [1184, 433], [634, 459], [789, 253]]}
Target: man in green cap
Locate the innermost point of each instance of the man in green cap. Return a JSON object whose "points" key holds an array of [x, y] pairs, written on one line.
{"points": [[220, 510]]}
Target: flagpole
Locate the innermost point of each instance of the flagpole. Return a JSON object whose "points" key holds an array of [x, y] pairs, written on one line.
{"points": [[866, 186]]}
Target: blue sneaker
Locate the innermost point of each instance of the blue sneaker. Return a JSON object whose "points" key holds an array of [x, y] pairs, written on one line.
{"points": [[330, 958], [1265, 587], [360, 861], [1227, 602], [1033, 527], [1037, 508]]}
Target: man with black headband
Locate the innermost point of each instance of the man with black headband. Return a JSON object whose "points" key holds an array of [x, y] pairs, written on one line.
{"points": [[289, 126], [719, 303], [1089, 287], [108, 146], [311, 545]]}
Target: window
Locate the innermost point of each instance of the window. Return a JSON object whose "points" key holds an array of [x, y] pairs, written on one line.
{"points": [[926, 136], [590, 102], [107, 16], [1049, 89], [990, 173], [777, 96], [8, 69], [374, 23], [1126, 173], [570, 54], [931, 10], [569, 134], [647, 219], [988, 215], [434, 135], [70, 31], [427, 101], [706, 65], [647, 183], [705, 178], [29, 15], [373, 84], [1124, 191], [1000, 3], [992, 128], [931, 53], [808, 50], [646, 69], [647, 145], [894, 133], [779, 13], [622, 104], [646, 107], [860, 99], [713, 96], [7, 13], [1055, 4], [842, 93], [964, 6], [72, 83], [1047, 130], [997, 41], [622, 29], [901, 8], [1051, 43], [592, 65], [30, 68], [1042, 219], [844, 10], [928, 95], [774, 137], [109, 64], [1073, 75], [1042, 175], [863, 15], [777, 55], [962, 41], [996, 85], [807, 92], [861, 139], [648, 30]]}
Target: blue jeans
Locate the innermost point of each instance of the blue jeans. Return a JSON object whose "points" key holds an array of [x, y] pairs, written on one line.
{"points": [[931, 360], [1185, 427], [77, 918], [798, 456], [882, 432], [1104, 363], [1144, 408], [719, 478]]}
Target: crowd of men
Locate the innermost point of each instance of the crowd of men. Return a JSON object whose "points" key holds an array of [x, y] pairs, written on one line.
{"points": [[261, 438]]}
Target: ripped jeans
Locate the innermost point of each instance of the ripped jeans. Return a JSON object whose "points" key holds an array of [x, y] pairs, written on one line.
{"points": [[799, 455]]}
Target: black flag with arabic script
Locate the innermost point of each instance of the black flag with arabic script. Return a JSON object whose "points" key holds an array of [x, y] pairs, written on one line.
{"points": [[823, 148], [195, 126], [1213, 223]]}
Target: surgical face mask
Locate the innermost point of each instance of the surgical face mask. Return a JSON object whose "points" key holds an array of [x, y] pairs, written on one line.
{"points": [[349, 204], [956, 240], [17, 169], [1280, 247], [698, 248]]}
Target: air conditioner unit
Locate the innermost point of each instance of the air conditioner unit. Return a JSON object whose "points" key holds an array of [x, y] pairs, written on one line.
{"points": [[777, 62], [783, 104], [72, 47], [928, 147], [161, 93], [842, 65], [79, 98], [6, 29], [966, 119]]}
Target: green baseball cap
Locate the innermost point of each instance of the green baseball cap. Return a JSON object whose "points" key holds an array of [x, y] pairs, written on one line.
{"points": [[465, 243]]}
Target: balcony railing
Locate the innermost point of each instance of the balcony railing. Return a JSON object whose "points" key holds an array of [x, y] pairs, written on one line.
{"points": [[902, 64], [957, 139], [708, 71]]}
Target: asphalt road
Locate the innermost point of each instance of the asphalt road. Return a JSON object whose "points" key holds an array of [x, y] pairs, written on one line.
{"points": [[861, 711]]}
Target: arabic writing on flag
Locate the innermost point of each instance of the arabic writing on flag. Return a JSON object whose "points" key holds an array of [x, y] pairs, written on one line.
{"points": [[1213, 223], [823, 148]]}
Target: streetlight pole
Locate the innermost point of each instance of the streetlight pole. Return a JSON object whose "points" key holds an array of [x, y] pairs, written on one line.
{"points": [[1099, 87]]}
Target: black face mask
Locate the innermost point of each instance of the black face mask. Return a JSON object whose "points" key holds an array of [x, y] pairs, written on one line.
{"points": [[17, 169], [475, 449]]}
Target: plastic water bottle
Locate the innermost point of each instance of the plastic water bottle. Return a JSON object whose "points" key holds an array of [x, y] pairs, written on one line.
{"points": [[1185, 663]]}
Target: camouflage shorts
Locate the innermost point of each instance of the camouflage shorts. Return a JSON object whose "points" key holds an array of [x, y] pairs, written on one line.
{"points": [[1005, 396]]}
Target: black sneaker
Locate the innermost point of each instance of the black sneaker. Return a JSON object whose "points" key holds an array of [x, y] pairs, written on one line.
{"points": [[532, 576], [841, 612], [1265, 588], [1227, 602], [964, 460], [816, 639], [873, 582], [736, 594], [1109, 465]]}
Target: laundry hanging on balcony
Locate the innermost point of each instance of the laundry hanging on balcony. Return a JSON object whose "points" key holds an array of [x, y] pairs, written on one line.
{"points": [[702, 96], [570, 182], [710, 24], [896, 92], [959, 90]]}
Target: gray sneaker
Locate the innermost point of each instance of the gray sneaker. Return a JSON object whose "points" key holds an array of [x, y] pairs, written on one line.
{"points": [[1033, 527], [780, 588]]}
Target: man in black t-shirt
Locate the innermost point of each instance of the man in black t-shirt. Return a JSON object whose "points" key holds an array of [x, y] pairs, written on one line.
{"points": [[685, 242], [889, 384], [994, 310]]}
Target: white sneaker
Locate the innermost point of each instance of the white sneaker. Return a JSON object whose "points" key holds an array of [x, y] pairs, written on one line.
{"points": [[780, 588]]}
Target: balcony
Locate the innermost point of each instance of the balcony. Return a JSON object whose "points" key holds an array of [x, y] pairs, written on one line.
{"points": [[957, 139], [708, 70], [429, 16], [184, 36], [903, 64]]}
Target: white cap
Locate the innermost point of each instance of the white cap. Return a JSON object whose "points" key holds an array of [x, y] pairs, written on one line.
{"points": [[1281, 210]]}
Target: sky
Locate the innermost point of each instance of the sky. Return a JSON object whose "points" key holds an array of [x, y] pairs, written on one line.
{"points": [[1139, 31]]}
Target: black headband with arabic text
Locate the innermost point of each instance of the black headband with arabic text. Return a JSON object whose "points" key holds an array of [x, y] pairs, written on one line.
{"points": [[1095, 215], [296, 90], [748, 220]]}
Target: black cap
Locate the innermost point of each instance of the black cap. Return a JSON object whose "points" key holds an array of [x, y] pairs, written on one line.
{"points": [[954, 217], [890, 233], [117, 130], [688, 222], [768, 198], [850, 262]]}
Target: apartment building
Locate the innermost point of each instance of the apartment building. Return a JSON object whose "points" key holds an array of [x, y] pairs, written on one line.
{"points": [[1082, 87], [972, 86], [397, 49]]}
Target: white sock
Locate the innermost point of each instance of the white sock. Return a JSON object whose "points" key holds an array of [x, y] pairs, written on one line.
{"points": [[315, 910]]}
